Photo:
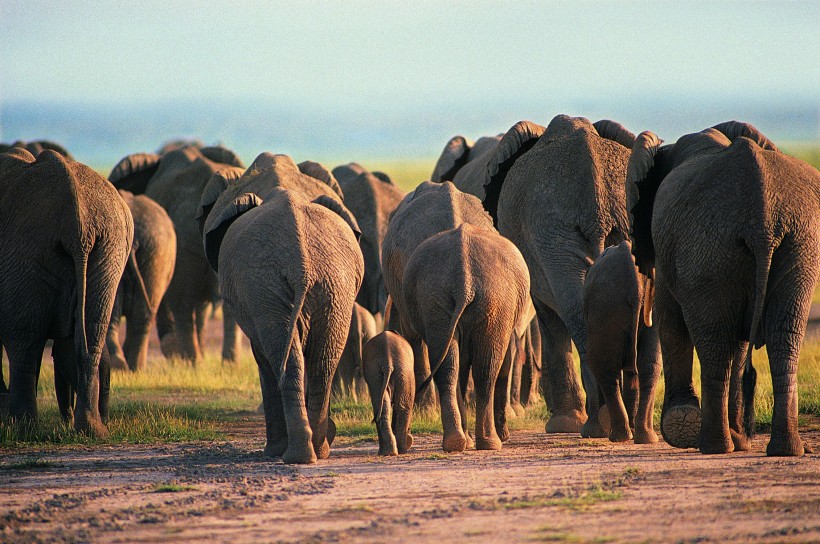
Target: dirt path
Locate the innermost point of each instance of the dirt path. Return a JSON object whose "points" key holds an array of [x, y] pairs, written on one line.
{"points": [[539, 488]]}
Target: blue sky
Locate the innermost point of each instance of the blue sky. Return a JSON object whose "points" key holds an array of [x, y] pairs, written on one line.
{"points": [[348, 53]]}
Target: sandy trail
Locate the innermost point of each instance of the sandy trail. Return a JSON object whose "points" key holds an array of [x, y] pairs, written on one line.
{"points": [[538, 488]]}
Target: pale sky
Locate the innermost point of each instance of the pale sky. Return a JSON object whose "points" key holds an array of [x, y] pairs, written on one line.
{"points": [[350, 54]]}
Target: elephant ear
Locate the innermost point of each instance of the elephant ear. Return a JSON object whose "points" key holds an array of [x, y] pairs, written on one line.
{"points": [[216, 226], [454, 156], [521, 137], [13, 158], [318, 171], [383, 177], [219, 182], [134, 172], [344, 213], [222, 155], [614, 131], [644, 173], [736, 129]]}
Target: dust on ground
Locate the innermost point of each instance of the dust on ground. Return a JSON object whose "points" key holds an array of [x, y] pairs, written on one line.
{"points": [[540, 487]]}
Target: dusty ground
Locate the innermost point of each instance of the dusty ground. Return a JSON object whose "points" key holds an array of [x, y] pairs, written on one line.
{"points": [[539, 488]]}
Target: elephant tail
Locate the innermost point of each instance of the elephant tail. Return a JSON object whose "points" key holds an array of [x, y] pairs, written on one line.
{"points": [[756, 339], [133, 266], [460, 306], [378, 413], [81, 273], [299, 294]]}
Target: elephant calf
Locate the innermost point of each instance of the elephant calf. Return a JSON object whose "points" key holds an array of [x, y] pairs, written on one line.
{"points": [[622, 346], [466, 292], [387, 361]]}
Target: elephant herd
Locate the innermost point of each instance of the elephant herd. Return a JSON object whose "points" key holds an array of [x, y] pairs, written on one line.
{"points": [[520, 246]]}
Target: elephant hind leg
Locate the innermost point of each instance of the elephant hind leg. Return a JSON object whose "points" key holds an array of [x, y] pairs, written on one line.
{"points": [[649, 368], [300, 436], [490, 391], [275, 426], [65, 377], [25, 354], [446, 379]]}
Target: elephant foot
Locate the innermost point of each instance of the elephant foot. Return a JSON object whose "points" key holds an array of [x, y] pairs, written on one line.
{"points": [[388, 451], [169, 345], [740, 441], [117, 362], [489, 443], [504, 433], [404, 446], [789, 445], [515, 409], [603, 419], [620, 435], [565, 423], [90, 426], [470, 441], [717, 446], [593, 429], [301, 454], [646, 436], [323, 451], [276, 448], [331, 431], [454, 442], [680, 426]]}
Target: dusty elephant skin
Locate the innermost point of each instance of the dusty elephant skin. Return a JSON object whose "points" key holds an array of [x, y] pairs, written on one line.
{"points": [[175, 181], [553, 488], [466, 293], [348, 381], [465, 163], [63, 259], [298, 319], [558, 194], [730, 228], [371, 198], [623, 349], [388, 369], [147, 275], [430, 209]]}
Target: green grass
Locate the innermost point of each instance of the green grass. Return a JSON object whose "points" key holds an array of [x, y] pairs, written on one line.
{"points": [[171, 401], [171, 487], [32, 463], [406, 173]]}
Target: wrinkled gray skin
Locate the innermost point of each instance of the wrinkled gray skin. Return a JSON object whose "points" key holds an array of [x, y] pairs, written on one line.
{"points": [[371, 198], [175, 181], [736, 231], [466, 292], [147, 275], [623, 350], [560, 198], [388, 370], [430, 209], [348, 380], [62, 262], [465, 163], [36, 147], [298, 318]]}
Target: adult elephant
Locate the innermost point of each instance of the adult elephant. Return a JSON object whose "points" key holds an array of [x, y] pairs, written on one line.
{"points": [[147, 276], [62, 261], [730, 228], [558, 194], [297, 318], [175, 181], [430, 209], [372, 200], [465, 163], [37, 146]]}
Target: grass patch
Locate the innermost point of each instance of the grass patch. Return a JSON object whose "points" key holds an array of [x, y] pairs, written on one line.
{"points": [[171, 487], [32, 463]]}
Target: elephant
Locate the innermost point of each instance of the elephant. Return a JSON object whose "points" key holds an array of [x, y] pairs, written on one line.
{"points": [[298, 317], [147, 276], [522, 357], [371, 200], [176, 181], [173, 145], [558, 194], [63, 259], [38, 146], [623, 349], [387, 363], [430, 209], [465, 163], [348, 379], [465, 294], [729, 228]]}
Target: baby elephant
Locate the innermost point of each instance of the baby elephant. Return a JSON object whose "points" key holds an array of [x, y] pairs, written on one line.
{"points": [[623, 350], [388, 370]]}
